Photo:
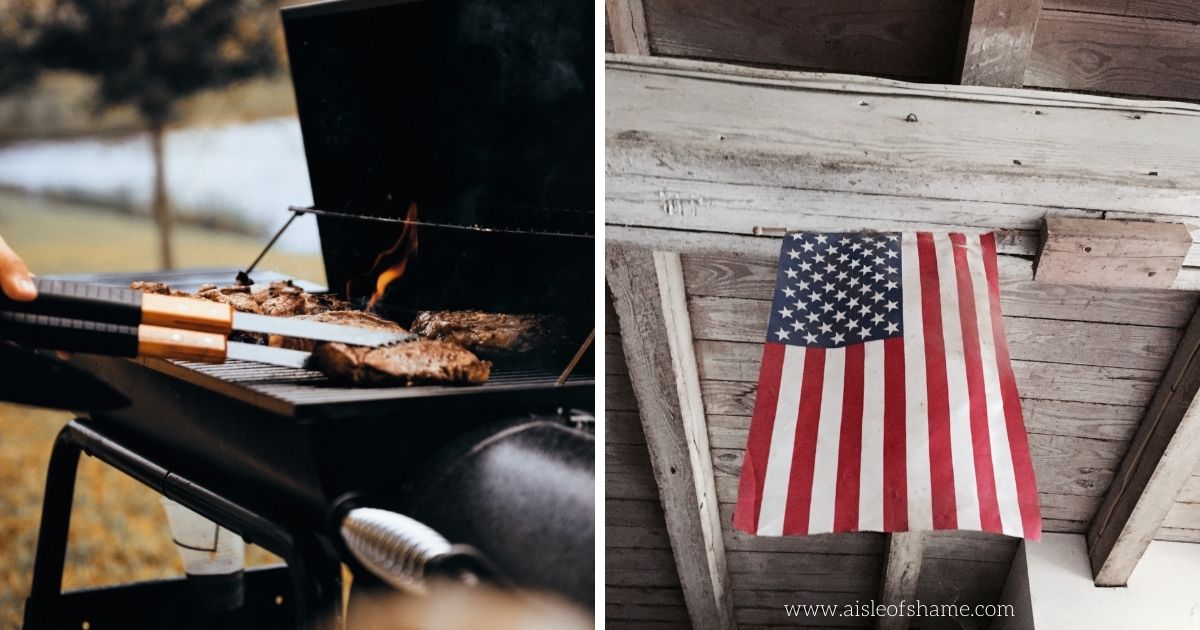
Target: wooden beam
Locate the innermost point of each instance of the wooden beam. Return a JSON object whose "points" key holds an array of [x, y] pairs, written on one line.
{"points": [[899, 38], [1106, 253], [901, 572], [1158, 464], [656, 336], [997, 41], [1117, 55], [627, 25]]}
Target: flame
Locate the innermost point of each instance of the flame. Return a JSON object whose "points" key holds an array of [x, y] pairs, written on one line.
{"points": [[406, 245]]}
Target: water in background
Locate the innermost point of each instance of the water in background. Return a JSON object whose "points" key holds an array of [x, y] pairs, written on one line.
{"points": [[247, 173]]}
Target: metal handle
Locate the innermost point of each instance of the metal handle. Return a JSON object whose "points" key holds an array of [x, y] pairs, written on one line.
{"points": [[407, 553], [126, 307]]}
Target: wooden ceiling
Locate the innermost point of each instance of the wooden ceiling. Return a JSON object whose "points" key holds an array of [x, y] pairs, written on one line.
{"points": [[1143, 48]]}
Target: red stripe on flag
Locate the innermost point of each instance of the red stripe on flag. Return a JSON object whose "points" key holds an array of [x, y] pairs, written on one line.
{"points": [[941, 466], [1018, 442], [845, 515], [758, 447], [804, 454], [895, 469], [981, 442]]}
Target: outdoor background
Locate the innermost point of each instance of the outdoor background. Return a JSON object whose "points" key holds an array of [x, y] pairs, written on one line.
{"points": [[76, 190]]}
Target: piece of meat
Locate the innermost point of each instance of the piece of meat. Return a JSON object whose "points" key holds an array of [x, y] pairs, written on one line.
{"points": [[491, 333], [237, 297], [424, 361], [349, 318], [160, 288], [283, 305]]}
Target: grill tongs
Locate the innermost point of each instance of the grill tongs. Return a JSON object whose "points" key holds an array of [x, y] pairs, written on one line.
{"points": [[82, 317]]}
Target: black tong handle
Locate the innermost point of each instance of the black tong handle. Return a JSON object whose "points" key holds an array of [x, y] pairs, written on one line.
{"points": [[72, 335], [81, 301]]}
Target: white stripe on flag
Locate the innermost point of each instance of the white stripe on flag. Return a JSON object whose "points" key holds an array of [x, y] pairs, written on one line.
{"points": [[916, 422], [962, 451], [829, 433], [783, 440], [1002, 463], [870, 494]]}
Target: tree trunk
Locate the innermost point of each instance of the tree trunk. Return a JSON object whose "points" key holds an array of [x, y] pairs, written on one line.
{"points": [[162, 201]]}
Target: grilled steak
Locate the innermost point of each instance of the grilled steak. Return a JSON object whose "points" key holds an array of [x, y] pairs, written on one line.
{"points": [[491, 333], [350, 318], [413, 363]]}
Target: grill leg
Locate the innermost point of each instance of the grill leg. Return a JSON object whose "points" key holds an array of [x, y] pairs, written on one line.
{"points": [[316, 584], [52, 533]]}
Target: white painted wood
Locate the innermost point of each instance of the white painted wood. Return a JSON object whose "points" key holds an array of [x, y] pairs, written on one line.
{"points": [[1159, 464], [868, 84], [648, 296], [901, 573], [803, 131], [1162, 593]]}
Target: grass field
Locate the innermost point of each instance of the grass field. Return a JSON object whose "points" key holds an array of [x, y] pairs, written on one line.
{"points": [[118, 530]]}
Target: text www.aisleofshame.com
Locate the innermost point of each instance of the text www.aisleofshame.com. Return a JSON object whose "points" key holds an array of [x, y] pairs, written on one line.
{"points": [[915, 608]]}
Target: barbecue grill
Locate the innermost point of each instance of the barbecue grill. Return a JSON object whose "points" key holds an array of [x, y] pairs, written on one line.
{"points": [[449, 142]]}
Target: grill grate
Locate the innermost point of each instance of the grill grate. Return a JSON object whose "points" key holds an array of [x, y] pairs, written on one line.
{"points": [[292, 391]]}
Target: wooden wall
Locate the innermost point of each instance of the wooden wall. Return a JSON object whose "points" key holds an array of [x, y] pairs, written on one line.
{"points": [[1138, 47], [1147, 48], [641, 586], [700, 156]]}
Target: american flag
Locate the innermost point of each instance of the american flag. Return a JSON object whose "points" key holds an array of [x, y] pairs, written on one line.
{"points": [[886, 399]]}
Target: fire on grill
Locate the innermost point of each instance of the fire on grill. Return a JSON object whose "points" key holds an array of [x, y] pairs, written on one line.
{"points": [[463, 453]]}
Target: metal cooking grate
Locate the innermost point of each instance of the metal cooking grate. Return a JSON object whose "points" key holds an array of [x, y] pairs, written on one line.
{"points": [[289, 390]]}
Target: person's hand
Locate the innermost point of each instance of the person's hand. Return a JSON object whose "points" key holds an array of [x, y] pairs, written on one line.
{"points": [[15, 278]]}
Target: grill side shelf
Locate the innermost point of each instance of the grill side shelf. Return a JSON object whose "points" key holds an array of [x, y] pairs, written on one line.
{"points": [[293, 392]]}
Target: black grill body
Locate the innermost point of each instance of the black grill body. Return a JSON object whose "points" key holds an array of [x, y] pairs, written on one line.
{"points": [[478, 113]]}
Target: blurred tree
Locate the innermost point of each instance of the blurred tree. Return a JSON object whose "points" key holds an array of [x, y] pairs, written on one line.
{"points": [[151, 54]]}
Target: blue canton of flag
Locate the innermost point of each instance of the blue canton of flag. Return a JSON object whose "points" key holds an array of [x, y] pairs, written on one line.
{"points": [[837, 289]]}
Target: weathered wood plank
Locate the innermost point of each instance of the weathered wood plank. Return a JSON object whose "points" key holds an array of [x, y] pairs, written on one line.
{"points": [[1075, 509], [1117, 55], [730, 373], [669, 202], [1087, 471], [754, 278], [901, 573], [1063, 341], [1115, 423], [648, 296], [1180, 10], [1189, 494], [643, 595], [908, 38], [632, 513], [618, 537], [1112, 253], [1158, 465], [998, 40], [751, 130], [626, 20], [1183, 516]]}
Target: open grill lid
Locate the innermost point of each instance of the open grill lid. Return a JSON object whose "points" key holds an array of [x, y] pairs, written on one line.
{"points": [[478, 112]]}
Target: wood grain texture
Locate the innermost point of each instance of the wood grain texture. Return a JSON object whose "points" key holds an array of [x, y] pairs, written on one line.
{"points": [[729, 373], [648, 297], [1059, 341], [906, 38], [1158, 465], [999, 36], [1118, 55], [626, 21], [1112, 253], [901, 573], [718, 124], [1180, 10], [752, 277]]}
